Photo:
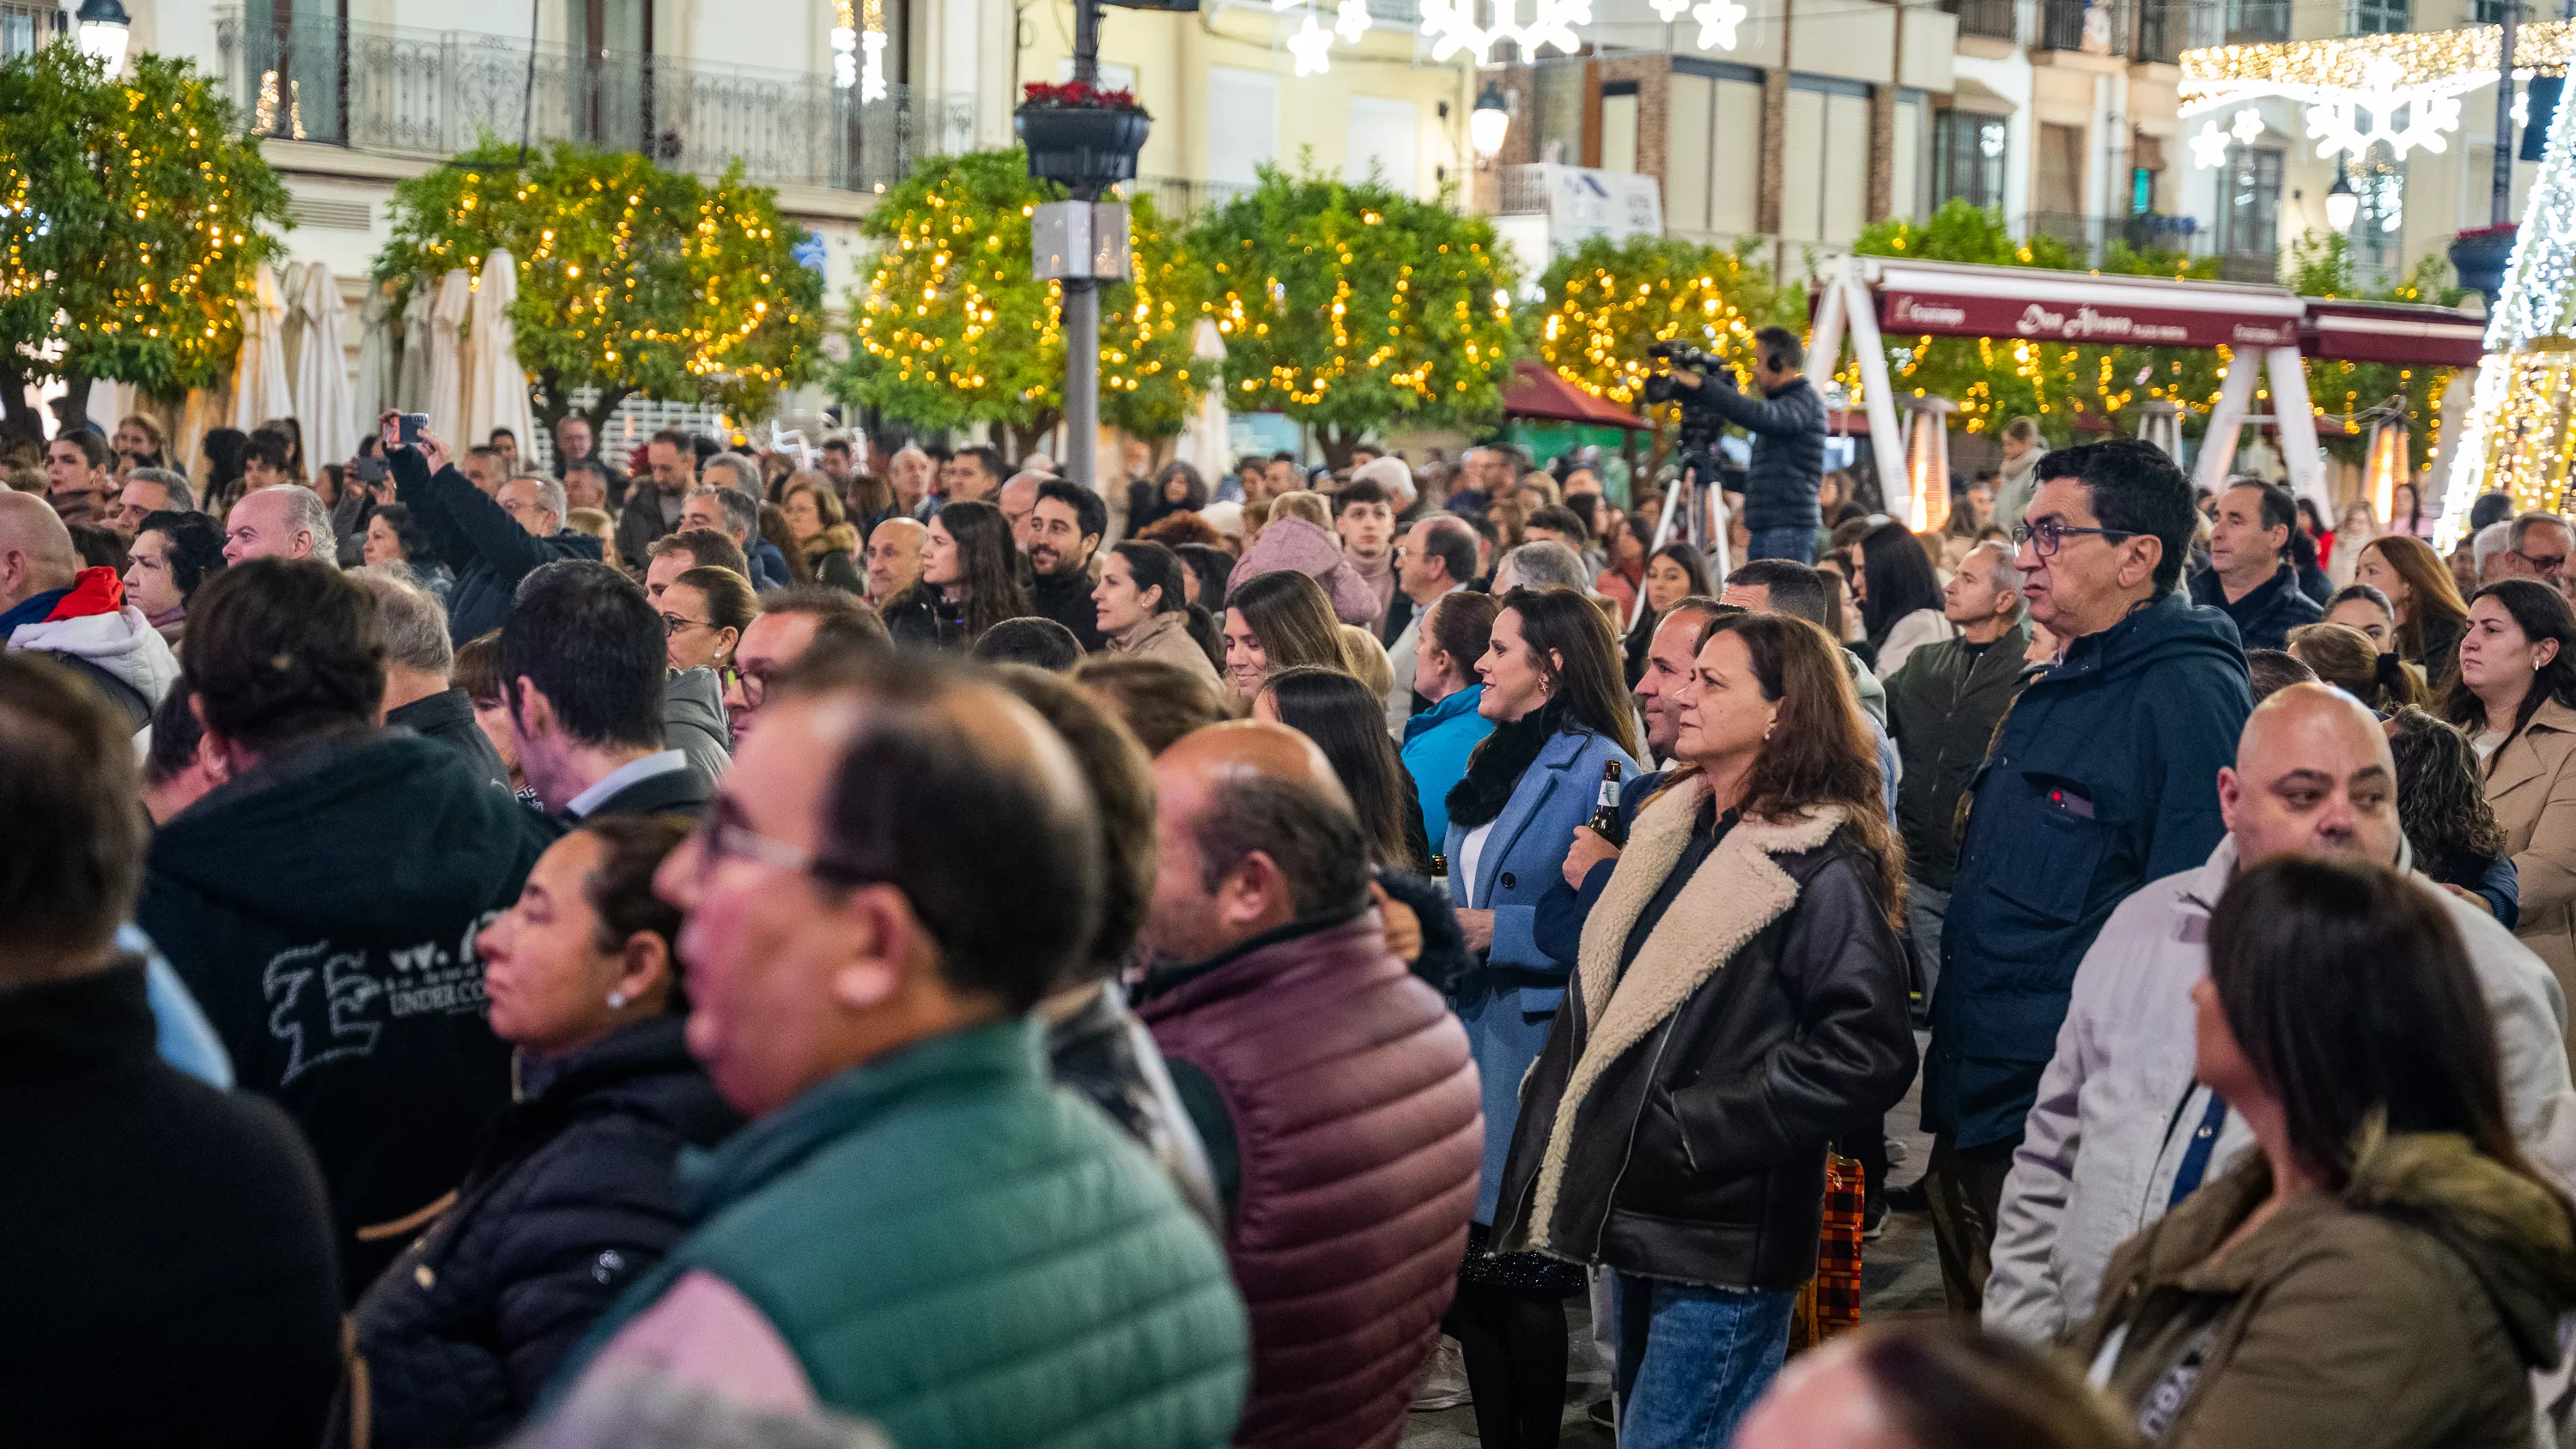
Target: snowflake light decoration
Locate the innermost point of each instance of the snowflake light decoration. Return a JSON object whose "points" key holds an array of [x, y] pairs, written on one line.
{"points": [[1309, 45], [2337, 124], [2209, 147], [1669, 10], [1451, 27], [1717, 21], [2248, 128], [1351, 21]]}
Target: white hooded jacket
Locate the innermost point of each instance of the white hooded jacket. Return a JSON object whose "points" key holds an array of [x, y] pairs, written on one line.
{"points": [[2118, 1108], [123, 644]]}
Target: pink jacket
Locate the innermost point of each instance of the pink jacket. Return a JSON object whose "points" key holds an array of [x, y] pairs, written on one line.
{"points": [[1293, 543]]}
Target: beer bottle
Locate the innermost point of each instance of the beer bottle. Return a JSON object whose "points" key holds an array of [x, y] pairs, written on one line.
{"points": [[1605, 816], [1440, 873]]}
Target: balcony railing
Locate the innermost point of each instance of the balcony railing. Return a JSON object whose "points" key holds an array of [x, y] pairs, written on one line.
{"points": [[435, 93], [1177, 198], [1992, 19], [2090, 237], [2164, 30]]}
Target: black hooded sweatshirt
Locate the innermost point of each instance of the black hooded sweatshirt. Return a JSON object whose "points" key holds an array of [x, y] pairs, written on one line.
{"points": [[322, 909]]}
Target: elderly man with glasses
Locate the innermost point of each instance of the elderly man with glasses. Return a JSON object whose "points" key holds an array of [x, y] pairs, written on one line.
{"points": [[2536, 547], [2098, 781]]}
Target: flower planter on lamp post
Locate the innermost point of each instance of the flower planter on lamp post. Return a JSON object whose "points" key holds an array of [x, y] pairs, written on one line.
{"points": [[2480, 256], [1082, 138]]}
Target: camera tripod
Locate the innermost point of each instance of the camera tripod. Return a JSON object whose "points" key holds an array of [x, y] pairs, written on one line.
{"points": [[1700, 509]]}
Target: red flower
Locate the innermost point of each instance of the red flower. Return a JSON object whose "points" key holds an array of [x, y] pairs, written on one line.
{"points": [[1077, 95], [2489, 233]]}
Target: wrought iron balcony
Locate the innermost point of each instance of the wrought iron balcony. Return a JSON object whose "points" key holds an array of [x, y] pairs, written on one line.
{"points": [[1993, 19], [435, 93]]}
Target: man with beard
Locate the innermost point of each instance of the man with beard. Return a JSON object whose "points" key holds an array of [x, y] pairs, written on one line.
{"points": [[1064, 530]]}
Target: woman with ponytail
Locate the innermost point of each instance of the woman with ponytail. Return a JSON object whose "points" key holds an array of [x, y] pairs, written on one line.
{"points": [[1142, 614], [2345, 658]]}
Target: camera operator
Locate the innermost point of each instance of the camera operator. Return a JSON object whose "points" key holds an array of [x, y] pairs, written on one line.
{"points": [[1788, 428]]}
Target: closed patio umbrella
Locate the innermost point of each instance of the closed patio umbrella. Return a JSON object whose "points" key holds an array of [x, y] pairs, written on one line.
{"points": [[411, 372], [496, 393], [447, 360], [322, 397], [260, 390]]}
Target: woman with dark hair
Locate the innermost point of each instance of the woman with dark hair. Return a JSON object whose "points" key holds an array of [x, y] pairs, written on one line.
{"points": [[2365, 609], [1140, 609], [1177, 489], [1209, 566], [173, 553], [2442, 806], [1900, 597], [1339, 714], [704, 611], [869, 499], [2418, 585], [225, 450], [395, 539], [576, 1193], [1454, 636], [1561, 714], [970, 580], [2406, 512], [1676, 572], [2343, 657], [2515, 698], [1741, 1002], [2389, 1268], [1278, 620], [821, 532]]}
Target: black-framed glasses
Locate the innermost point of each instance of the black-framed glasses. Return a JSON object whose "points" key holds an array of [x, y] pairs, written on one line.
{"points": [[674, 625], [754, 687], [2048, 535]]}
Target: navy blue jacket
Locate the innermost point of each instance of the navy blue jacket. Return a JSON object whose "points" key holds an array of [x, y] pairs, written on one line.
{"points": [[1788, 466], [2103, 776], [2265, 616], [478, 539], [1558, 925]]}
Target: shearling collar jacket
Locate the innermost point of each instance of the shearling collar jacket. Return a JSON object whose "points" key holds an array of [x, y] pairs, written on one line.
{"points": [[1675, 1125]]}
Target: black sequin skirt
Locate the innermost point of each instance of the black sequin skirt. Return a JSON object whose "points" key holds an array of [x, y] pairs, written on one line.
{"points": [[1536, 1274]]}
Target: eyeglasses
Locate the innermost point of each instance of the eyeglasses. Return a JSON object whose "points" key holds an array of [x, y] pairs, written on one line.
{"points": [[2048, 535], [723, 835], [673, 626], [2542, 563], [754, 687]]}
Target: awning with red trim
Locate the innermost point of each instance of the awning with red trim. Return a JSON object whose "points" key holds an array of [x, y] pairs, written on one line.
{"points": [[1953, 300], [1536, 391], [2409, 334]]}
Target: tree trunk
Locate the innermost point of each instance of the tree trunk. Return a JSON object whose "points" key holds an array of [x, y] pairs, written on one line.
{"points": [[1336, 445], [21, 419], [76, 402], [601, 411]]}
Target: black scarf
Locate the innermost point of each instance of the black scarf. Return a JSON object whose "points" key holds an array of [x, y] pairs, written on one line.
{"points": [[1498, 764]]}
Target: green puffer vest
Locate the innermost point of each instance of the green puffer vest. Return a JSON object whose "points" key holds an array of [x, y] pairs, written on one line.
{"points": [[970, 1256]]}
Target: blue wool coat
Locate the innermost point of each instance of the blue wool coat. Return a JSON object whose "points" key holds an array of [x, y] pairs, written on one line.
{"points": [[1509, 1001]]}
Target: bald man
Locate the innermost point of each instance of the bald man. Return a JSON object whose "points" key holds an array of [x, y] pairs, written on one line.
{"points": [[1305, 1053], [284, 521], [894, 558], [2120, 1134], [1018, 501], [50, 605]]}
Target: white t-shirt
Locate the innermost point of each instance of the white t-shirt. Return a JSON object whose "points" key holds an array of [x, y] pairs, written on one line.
{"points": [[2485, 742], [1471, 850]]}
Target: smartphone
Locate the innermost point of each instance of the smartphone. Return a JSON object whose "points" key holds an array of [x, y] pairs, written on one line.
{"points": [[408, 434]]}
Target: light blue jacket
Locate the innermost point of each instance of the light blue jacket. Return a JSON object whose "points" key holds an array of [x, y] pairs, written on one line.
{"points": [[1509, 1002], [1437, 743]]}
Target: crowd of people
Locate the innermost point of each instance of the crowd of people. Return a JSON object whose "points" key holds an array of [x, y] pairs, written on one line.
{"points": [[918, 950]]}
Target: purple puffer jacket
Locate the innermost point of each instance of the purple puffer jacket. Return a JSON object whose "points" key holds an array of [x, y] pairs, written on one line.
{"points": [[1293, 543]]}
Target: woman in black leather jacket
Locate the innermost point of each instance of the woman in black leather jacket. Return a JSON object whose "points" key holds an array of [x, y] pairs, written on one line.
{"points": [[573, 1196], [1739, 1000]]}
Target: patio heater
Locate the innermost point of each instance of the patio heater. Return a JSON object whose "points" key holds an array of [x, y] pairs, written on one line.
{"points": [[2384, 466], [1927, 461], [2160, 423]]}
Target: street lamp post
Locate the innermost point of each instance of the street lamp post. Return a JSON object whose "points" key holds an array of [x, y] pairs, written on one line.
{"points": [[103, 32], [1088, 146]]}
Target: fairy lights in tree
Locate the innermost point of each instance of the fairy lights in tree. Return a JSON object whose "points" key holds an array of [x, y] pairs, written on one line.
{"points": [[632, 279], [133, 219], [1352, 306], [952, 327]]}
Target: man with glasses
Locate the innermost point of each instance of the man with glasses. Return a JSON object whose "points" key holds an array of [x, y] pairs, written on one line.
{"points": [[793, 624], [917, 1225], [583, 669], [2098, 780], [490, 542], [2537, 548], [1436, 556]]}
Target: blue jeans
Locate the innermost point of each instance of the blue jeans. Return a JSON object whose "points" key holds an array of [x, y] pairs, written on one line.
{"points": [[1692, 1360], [1793, 543]]}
